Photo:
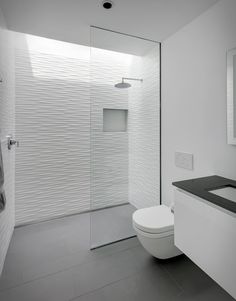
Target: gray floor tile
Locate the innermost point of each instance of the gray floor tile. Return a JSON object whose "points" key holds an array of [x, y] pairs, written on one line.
{"points": [[196, 284], [84, 278], [42, 249], [57, 288], [52, 261], [188, 275], [111, 224], [214, 293], [150, 285]]}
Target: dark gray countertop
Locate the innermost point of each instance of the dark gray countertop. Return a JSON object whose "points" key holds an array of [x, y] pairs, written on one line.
{"points": [[202, 187]]}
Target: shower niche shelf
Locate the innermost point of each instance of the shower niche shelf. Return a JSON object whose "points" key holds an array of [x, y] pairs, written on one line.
{"points": [[115, 120]]}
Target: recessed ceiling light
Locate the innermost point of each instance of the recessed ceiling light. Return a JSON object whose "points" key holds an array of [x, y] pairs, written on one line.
{"points": [[107, 4]]}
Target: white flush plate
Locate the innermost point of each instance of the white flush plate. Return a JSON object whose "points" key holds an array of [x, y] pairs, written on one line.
{"points": [[184, 160]]}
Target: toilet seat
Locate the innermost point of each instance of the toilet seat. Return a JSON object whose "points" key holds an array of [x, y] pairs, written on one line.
{"points": [[153, 235], [157, 220]]}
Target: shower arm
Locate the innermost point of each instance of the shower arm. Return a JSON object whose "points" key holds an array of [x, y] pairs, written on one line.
{"points": [[131, 78]]}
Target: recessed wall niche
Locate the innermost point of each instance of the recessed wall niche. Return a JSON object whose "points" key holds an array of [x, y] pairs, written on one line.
{"points": [[115, 120]]}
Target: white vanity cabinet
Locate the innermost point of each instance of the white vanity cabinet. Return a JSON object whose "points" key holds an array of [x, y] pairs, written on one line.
{"points": [[206, 233]]}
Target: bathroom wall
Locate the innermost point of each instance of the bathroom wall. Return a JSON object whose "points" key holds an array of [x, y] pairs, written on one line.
{"points": [[109, 150], [194, 97], [144, 130], [60, 97], [53, 126], [7, 126]]}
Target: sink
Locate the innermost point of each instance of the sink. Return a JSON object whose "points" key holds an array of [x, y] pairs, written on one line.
{"points": [[227, 192]]}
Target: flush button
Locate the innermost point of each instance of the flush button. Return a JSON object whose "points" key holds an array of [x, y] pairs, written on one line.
{"points": [[184, 160]]}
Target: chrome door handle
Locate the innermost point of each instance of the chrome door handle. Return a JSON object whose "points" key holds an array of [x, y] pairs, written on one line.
{"points": [[11, 142]]}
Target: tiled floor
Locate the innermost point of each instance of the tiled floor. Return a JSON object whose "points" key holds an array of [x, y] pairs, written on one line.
{"points": [[51, 261], [111, 224]]}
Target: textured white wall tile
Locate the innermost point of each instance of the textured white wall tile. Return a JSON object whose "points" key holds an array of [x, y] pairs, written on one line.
{"points": [[144, 131], [53, 126], [7, 126], [109, 150]]}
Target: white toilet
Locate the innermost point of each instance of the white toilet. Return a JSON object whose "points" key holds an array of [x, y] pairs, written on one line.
{"points": [[155, 230]]}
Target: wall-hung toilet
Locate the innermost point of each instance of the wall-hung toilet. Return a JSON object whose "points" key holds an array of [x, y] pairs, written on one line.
{"points": [[155, 230]]}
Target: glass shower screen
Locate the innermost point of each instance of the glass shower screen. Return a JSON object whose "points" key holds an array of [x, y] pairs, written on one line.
{"points": [[125, 132]]}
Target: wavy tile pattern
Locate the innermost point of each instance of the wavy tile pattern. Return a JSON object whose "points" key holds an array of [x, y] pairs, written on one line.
{"points": [[53, 126], [109, 150], [58, 114], [7, 126], [144, 131]]}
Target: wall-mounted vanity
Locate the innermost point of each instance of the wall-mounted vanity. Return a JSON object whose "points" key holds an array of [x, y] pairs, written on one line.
{"points": [[231, 96], [205, 226]]}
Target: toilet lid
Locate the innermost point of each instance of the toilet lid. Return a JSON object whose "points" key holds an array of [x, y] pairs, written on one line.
{"points": [[157, 219]]}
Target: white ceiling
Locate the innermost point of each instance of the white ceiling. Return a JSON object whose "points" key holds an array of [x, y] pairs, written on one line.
{"points": [[113, 41], [69, 20]]}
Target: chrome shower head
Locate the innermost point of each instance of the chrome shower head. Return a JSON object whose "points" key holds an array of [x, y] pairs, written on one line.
{"points": [[124, 85]]}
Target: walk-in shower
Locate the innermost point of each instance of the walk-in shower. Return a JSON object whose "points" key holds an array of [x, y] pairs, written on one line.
{"points": [[125, 132], [112, 166]]}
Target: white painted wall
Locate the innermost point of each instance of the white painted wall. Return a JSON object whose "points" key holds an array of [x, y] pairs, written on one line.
{"points": [[194, 97], [7, 126]]}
